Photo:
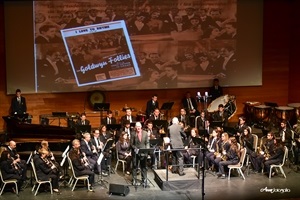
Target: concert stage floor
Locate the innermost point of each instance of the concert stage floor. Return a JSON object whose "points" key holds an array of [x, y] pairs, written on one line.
{"points": [[256, 186]]}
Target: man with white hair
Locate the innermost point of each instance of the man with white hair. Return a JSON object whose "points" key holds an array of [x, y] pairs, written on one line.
{"points": [[176, 132], [139, 140]]}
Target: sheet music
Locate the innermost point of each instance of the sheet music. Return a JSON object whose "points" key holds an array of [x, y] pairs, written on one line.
{"points": [[100, 158], [63, 161], [65, 152], [29, 158]]}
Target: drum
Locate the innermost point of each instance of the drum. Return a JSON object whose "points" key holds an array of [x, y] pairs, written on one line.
{"points": [[141, 118], [297, 108], [229, 104], [284, 112], [261, 112]]}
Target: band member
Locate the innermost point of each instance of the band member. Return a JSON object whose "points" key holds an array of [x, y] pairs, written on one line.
{"points": [[222, 149], [183, 117], [106, 136], [109, 119], [276, 158], [127, 128], [18, 104], [153, 134], [192, 152], [95, 140], [46, 170], [155, 115], [201, 121], [151, 105], [285, 134], [16, 157], [50, 156], [91, 153], [213, 142], [139, 140], [231, 157], [241, 126], [176, 132], [10, 169], [247, 140], [80, 163], [266, 150], [82, 120], [190, 105], [128, 116], [124, 151], [221, 115]]}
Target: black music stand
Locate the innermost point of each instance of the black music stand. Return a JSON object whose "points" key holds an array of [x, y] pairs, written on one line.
{"points": [[203, 149], [167, 106], [230, 130], [83, 128], [161, 124], [155, 143], [101, 107], [108, 145], [204, 133], [216, 124], [143, 153], [21, 117], [59, 115]]}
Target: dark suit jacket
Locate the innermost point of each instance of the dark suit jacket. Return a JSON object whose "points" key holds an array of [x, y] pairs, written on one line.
{"points": [[186, 120], [150, 107], [124, 119], [80, 122], [8, 172], [84, 148], [185, 105], [42, 169], [136, 143], [215, 93], [79, 168], [113, 120], [19, 108]]}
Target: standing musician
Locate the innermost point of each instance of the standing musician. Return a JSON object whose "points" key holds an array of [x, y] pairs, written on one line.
{"points": [[222, 148], [192, 152], [232, 157], [10, 169], [91, 153], [213, 142], [45, 169], [276, 158], [105, 136], [139, 140], [18, 104], [80, 163], [176, 132], [266, 151], [16, 157], [124, 151], [151, 105]]}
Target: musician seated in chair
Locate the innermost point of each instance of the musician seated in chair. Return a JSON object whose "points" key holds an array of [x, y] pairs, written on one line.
{"points": [[183, 117], [213, 141], [109, 119], [265, 151], [285, 134], [155, 115], [222, 147], [46, 170], [124, 151], [221, 115], [82, 120], [106, 136], [241, 126], [10, 169], [187, 155], [80, 163], [230, 157], [276, 158]]}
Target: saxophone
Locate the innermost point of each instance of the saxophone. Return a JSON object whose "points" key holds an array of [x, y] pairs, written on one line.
{"points": [[223, 155], [266, 153]]}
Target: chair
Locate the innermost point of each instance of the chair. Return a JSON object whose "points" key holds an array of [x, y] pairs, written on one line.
{"points": [[39, 182], [285, 156], [8, 181], [83, 177], [255, 143], [239, 165], [196, 121], [119, 160]]}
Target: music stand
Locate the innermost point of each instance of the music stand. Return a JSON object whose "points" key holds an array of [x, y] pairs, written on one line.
{"points": [[101, 107], [159, 124], [114, 127], [216, 124], [230, 130], [167, 106], [83, 128], [143, 153], [107, 146], [59, 115], [203, 132], [62, 164]]}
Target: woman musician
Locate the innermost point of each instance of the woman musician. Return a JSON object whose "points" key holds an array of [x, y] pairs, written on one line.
{"points": [[222, 148], [187, 155], [10, 169], [46, 170], [232, 157], [50, 156], [80, 163], [213, 142], [124, 151], [247, 140], [266, 150]]}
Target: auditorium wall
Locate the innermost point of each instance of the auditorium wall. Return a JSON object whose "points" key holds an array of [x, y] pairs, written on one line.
{"points": [[280, 75]]}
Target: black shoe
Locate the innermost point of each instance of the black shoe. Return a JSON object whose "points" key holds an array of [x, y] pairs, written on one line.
{"points": [[219, 174], [181, 174], [104, 173]]}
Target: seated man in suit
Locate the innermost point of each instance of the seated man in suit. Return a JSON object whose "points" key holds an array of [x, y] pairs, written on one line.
{"points": [[155, 115], [128, 116], [109, 119], [82, 120]]}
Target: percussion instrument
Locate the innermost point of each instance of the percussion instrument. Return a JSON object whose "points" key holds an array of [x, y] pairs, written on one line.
{"points": [[284, 112], [249, 106], [297, 108], [261, 112], [228, 102], [141, 118]]}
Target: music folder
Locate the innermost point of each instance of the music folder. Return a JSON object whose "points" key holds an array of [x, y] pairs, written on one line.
{"points": [[230, 130], [200, 141], [216, 124], [156, 142], [167, 106], [83, 128], [101, 106], [113, 127]]}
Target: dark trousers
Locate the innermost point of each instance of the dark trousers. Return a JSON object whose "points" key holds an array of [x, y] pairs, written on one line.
{"points": [[142, 160]]}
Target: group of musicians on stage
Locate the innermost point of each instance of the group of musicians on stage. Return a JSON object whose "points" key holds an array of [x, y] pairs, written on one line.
{"points": [[219, 149]]}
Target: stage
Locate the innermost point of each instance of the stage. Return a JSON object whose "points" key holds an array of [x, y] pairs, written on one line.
{"points": [[175, 182]]}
